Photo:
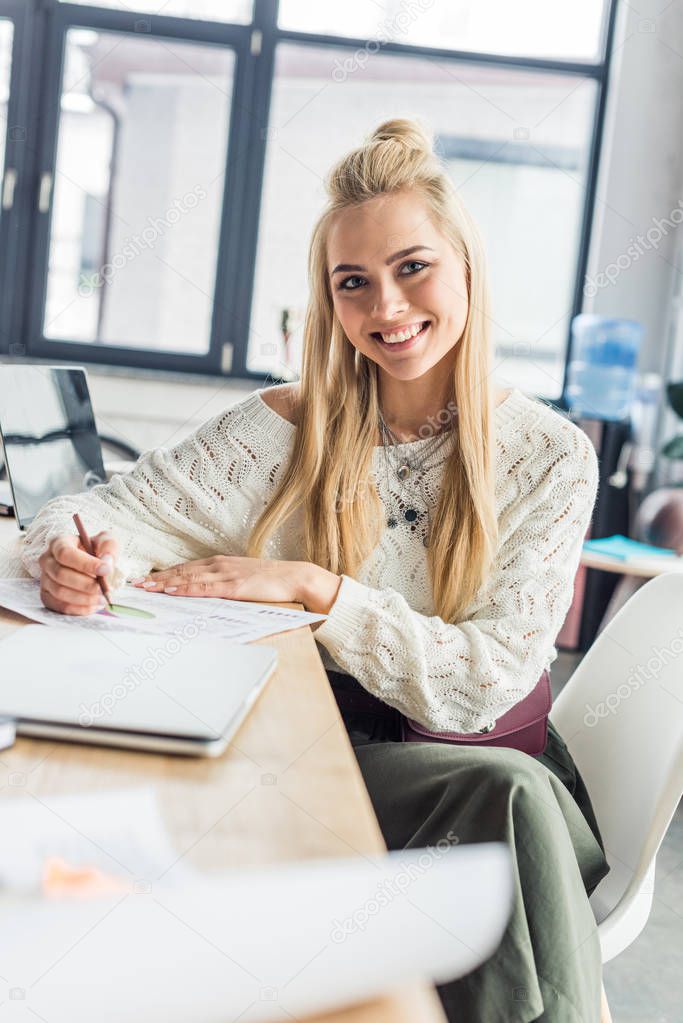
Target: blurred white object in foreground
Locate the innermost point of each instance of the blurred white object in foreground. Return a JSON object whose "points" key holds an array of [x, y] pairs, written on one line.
{"points": [[259, 945]]}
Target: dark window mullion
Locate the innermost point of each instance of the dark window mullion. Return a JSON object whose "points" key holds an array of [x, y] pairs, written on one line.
{"points": [[587, 68], [46, 120], [225, 333], [149, 25], [594, 155], [120, 355], [255, 142], [19, 153]]}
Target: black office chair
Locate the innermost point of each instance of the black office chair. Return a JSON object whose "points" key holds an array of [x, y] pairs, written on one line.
{"points": [[113, 444], [120, 447]]}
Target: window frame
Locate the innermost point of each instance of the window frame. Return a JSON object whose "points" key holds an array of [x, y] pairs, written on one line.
{"points": [[40, 29], [18, 147], [61, 18]]}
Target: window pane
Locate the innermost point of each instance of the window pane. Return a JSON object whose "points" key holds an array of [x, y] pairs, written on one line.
{"points": [[138, 191], [532, 28], [515, 144], [208, 10], [6, 33]]}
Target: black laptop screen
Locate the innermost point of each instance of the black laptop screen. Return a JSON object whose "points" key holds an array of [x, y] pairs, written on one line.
{"points": [[49, 437]]}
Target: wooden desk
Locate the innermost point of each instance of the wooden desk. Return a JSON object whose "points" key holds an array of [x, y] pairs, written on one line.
{"points": [[644, 568], [634, 574], [289, 787]]}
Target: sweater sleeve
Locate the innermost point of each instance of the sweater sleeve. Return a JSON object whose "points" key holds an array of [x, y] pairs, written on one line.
{"points": [[171, 507], [463, 676]]}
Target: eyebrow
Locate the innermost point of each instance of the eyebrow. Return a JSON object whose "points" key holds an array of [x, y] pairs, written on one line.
{"points": [[345, 267]]}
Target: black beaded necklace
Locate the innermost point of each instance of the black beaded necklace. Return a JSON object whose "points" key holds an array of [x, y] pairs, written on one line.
{"points": [[403, 470]]}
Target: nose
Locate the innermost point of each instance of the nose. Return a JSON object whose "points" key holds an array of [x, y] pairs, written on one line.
{"points": [[388, 300]]}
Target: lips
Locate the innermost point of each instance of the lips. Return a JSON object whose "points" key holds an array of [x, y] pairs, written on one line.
{"points": [[402, 345]]}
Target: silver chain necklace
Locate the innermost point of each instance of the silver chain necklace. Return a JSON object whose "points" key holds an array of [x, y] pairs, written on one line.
{"points": [[403, 469]]}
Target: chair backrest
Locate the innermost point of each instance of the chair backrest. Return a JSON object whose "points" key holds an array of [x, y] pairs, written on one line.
{"points": [[621, 715]]}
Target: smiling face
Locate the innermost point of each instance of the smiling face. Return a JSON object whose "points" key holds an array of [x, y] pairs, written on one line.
{"points": [[398, 285]]}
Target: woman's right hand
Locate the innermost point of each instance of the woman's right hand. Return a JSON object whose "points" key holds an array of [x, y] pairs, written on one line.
{"points": [[68, 574]]}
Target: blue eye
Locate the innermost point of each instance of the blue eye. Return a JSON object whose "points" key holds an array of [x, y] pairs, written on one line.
{"points": [[348, 285], [343, 286]]}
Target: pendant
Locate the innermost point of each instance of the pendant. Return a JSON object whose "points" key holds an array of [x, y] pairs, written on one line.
{"points": [[403, 471], [392, 522]]}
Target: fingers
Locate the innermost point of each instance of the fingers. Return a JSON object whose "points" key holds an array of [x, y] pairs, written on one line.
{"points": [[189, 569], [69, 606], [106, 548], [66, 599], [69, 578], [189, 583], [197, 588], [66, 551], [69, 575], [163, 582], [191, 572], [105, 545]]}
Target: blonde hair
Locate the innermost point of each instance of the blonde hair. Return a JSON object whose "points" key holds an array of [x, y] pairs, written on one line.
{"points": [[329, 472]]}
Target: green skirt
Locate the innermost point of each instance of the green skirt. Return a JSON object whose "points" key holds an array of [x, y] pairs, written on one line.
{"points": [[548, 965]]}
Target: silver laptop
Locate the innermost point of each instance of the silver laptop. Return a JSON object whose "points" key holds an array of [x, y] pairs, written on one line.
{"points": [[48, 434], [132, 690]]}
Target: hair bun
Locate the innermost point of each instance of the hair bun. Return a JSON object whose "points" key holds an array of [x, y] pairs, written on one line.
{"points": [[403, 129]]}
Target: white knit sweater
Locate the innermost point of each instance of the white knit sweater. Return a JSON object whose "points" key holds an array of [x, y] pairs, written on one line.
{"points": [[203, 496]]}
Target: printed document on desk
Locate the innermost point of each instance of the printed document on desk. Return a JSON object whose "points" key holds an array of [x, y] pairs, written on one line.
{"points": [[136, 610]]}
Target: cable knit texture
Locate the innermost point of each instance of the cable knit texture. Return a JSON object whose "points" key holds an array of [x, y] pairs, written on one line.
{"points": [[203, 496]]}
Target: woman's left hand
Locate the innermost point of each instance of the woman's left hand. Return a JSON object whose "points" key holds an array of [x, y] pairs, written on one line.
{"points": [[240, 578]]}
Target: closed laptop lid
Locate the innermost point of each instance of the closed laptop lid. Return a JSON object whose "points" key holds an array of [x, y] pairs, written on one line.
{"points": [[134, 683]]}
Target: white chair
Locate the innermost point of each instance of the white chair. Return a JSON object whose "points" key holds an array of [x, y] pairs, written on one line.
{"points": [[621, 715]]}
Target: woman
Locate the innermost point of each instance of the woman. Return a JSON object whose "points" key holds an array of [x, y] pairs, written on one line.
{"points": [[436, 521]]}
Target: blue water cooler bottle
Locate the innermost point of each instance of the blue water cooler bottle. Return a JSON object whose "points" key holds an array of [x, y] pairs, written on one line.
{"points": [[603, 371]]}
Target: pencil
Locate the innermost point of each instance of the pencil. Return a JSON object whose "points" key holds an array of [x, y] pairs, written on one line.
{"points": [[85, 540]]}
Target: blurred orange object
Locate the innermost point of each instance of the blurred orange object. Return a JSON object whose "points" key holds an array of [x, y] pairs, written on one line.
{"points": [[61, 879]]}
